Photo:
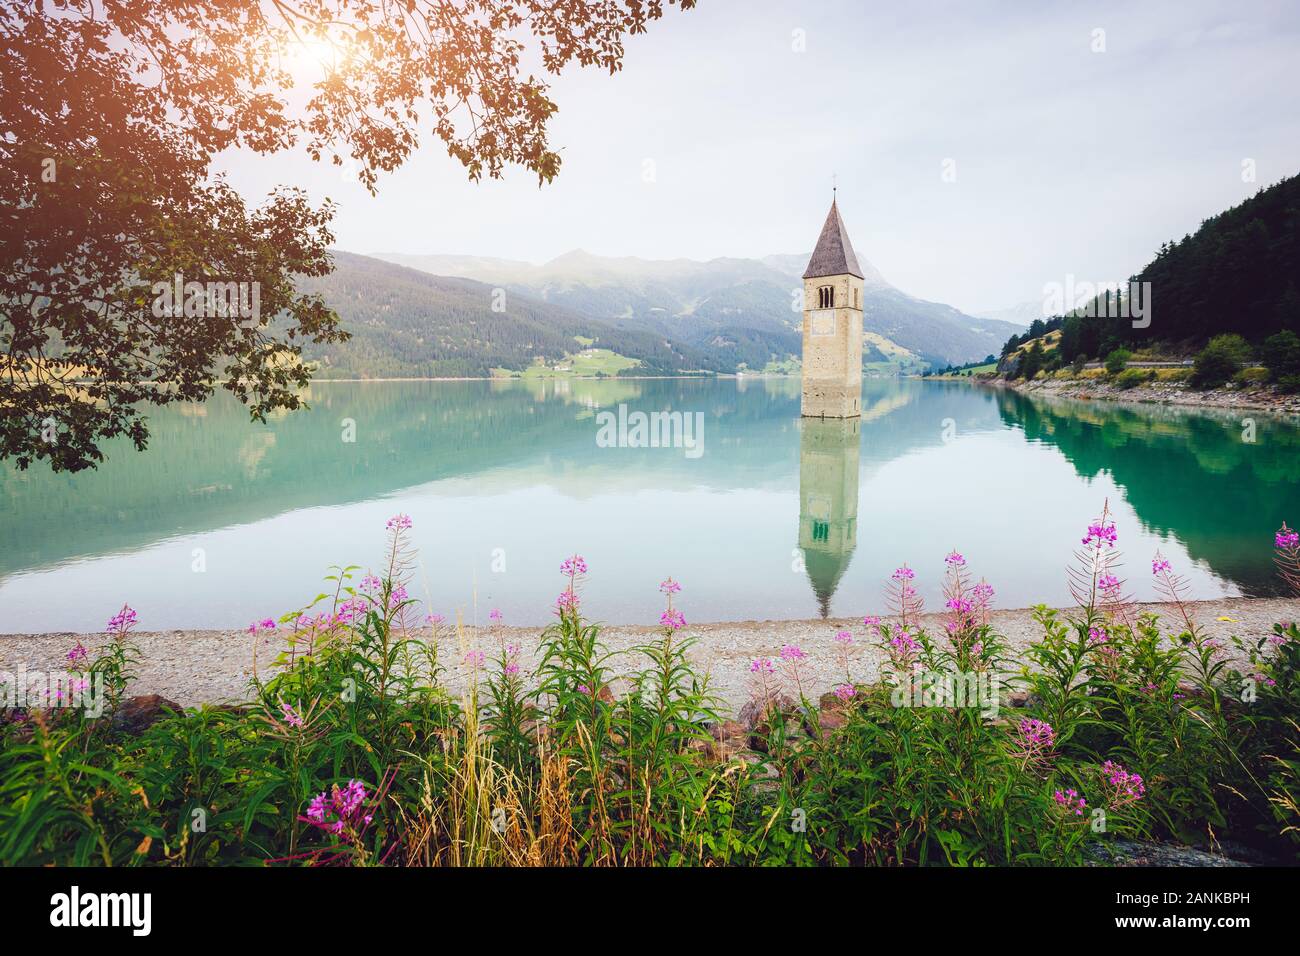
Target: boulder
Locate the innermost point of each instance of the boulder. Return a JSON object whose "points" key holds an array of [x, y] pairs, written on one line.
{"points": [[729, 739], [135, 715], [1021, 698], [754, 715]]}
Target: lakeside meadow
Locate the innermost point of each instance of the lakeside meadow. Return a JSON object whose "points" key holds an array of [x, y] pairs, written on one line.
{"points": [[1114, 729]]}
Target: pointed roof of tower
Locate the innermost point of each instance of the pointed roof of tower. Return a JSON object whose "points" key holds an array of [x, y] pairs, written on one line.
{"points": [[834, 254]]}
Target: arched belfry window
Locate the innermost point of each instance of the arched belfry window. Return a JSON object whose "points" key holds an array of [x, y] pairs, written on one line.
{"points": [[826, 297]]}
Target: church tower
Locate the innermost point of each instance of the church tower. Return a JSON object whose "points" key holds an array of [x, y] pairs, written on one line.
{"points": [[832, 326]]}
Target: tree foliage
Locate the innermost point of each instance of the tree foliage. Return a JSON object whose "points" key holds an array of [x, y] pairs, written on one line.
{"points": [[111, 115], [1218, 362]]}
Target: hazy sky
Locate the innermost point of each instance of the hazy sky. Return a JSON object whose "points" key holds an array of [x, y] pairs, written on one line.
{"points": [[1067, 161]]}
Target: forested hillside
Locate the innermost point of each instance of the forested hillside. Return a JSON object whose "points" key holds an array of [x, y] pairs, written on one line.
{"points": [[1239, 273]]}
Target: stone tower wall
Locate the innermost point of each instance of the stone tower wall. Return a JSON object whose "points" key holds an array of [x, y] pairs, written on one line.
{"points": [[832, 351]]}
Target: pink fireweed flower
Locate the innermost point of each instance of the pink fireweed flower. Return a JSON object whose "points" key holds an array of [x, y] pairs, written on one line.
{"points": [[1070, 801], [573, 566], [567, 601], [317, 809], [960, 606], [669, 586], [290, 715], [494, 616], [348, 611], [1036, 733], [370, 583], [982, 593], [1120, 786], [266, 624], [673, 620], [792, 652], [399, 523], [871, 621], [434, 619], [1103, 534], [1109, 585], [512, 660], [904, 573], [1159, 564], [903, 643], [844, 637], [584, 689], [122, 621], [342, 811], [902, 650], [474, 659], [77, 654], [1286, 538], [1033, 742], [845, 691], [955, 560], [762, 680]]}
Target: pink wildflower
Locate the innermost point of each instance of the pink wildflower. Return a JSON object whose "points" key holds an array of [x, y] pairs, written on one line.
{"points": [[290, 715]]}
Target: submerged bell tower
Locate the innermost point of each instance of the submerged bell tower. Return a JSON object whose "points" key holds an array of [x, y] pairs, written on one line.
{"points": [[832, 325]]}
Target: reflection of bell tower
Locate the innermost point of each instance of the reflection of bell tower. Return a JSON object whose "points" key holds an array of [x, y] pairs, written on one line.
{"points": [[828, 501]]}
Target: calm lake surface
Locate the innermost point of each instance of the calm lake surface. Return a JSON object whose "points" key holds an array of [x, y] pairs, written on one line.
{"points": [[222, 521]]}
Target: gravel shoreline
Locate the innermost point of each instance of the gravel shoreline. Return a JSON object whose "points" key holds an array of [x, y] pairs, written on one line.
{"points": [[1255, 398], [214, 667]]}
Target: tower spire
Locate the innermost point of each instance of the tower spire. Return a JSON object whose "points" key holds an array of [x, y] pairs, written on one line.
{"points": [[834, 253]]}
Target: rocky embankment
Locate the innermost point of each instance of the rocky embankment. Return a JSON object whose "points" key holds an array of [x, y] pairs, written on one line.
{"points": [[1254, 397]]}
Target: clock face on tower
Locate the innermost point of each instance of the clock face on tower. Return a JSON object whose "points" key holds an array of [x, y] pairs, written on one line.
{"points": [[822, 321]]}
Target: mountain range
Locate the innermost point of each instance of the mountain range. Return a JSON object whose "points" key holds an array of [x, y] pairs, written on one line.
{"points": [[447, 315], [699, 301]]}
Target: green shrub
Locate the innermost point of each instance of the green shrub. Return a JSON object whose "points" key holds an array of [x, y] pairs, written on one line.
{"points": [[1117, 361], [1031, 361], [1281, 356], [1132, 377], [1219, 361]]}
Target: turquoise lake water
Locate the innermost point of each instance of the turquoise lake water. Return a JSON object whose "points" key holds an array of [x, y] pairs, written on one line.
{"points": [[770, 516]]}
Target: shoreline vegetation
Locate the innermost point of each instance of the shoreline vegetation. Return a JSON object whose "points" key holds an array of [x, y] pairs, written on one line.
{"points": [[214, 666], [1119, 727]]}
